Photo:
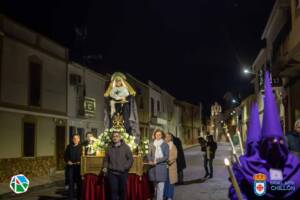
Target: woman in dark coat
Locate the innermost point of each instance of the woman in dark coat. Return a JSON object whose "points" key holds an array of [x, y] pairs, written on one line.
{"points": [[181, 164]]}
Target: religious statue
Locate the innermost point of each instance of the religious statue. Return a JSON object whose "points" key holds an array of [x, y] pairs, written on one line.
{"points": [[121, 101]]}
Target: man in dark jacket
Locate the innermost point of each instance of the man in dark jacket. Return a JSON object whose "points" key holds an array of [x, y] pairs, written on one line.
{"points": [[211, 147], [293, 139], [203, 145], [116, 164], [181, 164], [72, 158]]}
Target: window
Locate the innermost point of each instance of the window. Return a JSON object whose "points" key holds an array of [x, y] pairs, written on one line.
{"points": [[29, 139], [152, 106], [35, 72], [158, 106]]}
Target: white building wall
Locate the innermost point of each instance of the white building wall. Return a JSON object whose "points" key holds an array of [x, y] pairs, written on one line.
{"points": [[94, 87], [14, 76], [157, 97], [45, 137], [10, 130]]}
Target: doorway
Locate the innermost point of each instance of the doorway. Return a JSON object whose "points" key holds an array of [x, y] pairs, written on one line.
{"points": [[60, 147]]}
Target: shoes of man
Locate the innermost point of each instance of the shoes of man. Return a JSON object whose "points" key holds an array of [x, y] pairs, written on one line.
{"points": [[210, 176], [206, 175]]}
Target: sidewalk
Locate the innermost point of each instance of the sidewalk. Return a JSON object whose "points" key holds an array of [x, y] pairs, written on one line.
{"points": [[35, 184]]}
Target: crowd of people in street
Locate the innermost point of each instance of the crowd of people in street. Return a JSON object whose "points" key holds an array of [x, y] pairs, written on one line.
{"points": [[165, 159], [166, 163]]}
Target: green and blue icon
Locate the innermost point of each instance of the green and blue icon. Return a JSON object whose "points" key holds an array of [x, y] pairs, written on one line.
{"points": [[19, 184]]}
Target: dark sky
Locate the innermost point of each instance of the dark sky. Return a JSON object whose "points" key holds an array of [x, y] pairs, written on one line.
{"points": [[195, 49]]}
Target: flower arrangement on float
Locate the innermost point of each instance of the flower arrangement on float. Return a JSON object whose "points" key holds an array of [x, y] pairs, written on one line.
{"points": [[144, 147], [101, 143], [104, 140]]}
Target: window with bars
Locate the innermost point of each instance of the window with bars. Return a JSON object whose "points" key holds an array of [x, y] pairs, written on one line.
{"points": [[28, 139], [35, 73]]}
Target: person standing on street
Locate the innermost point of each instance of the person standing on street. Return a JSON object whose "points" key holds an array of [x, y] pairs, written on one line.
{"points": [[211, 147], [72, 158], [203, 145], [157, 159], [172, 168], [117, 162], [293, 139], [180, 161]]}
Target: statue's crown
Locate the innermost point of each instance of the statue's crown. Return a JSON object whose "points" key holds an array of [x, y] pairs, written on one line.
{"points": [[117, 121]]}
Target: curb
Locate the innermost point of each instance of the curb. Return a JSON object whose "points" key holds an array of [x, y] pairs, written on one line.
{"points": [[32, 189]]}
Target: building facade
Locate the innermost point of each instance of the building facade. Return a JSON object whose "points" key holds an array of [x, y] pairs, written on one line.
{"points": [[158, 119], [281, 57], [143, 101], [33, 102], [85, 101], [191, 122]]}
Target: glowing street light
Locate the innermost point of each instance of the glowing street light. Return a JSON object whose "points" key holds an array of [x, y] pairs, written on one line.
{"points": [[247, 71]]}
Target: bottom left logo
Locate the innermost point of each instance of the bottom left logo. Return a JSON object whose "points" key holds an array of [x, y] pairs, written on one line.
{"points": [[19, 184]]}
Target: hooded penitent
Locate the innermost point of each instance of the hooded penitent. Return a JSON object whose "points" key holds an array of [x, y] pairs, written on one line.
{"points": [[273, 154], [253, 132], [273, 147]]}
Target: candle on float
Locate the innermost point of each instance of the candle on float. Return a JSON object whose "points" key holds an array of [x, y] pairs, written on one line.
{"points": [[236, 157], [230, 140], [241, 142], [233, 179]]}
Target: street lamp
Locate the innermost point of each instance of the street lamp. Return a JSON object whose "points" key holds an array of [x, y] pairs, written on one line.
{"points": [[247, 71], [234, 101]]}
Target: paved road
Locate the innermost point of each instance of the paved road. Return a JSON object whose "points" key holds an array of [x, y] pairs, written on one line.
{"points": [[195, 187]]}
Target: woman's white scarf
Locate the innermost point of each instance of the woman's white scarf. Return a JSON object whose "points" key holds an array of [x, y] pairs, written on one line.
{"points": [[158, 151]]}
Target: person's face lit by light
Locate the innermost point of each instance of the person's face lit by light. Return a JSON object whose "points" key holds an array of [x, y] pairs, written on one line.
{"points": [[116, 137], [158, 135], [297, 127], [76, 139]]}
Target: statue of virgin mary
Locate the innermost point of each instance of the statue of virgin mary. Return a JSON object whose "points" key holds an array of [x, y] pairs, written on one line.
{"points": [[121, 100]]}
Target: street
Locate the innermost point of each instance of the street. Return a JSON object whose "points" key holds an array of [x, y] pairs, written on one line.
{"points": [[195, 187]]}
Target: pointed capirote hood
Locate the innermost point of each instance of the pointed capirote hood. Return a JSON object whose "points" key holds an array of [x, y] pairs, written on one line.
{"points": [[254, 129], [271, 126]]}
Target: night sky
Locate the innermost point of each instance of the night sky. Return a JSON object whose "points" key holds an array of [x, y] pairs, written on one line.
{"points": [[195, 49]]}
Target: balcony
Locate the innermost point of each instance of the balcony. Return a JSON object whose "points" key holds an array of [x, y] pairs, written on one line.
{"points": [[286, 54], [159, 119], [294, 40], [280, 48]]}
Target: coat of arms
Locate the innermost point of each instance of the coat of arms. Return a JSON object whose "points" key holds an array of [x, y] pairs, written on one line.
{"points": [[260, 186]]}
